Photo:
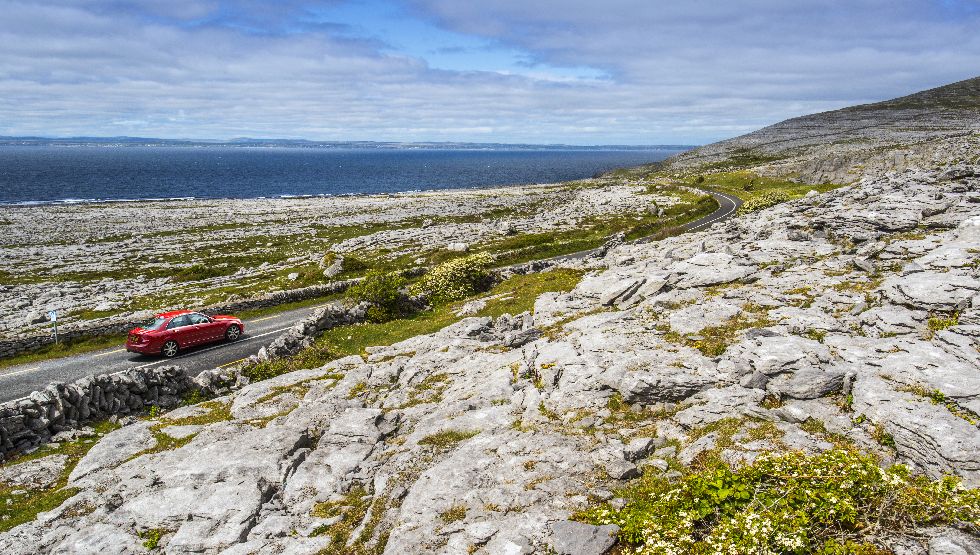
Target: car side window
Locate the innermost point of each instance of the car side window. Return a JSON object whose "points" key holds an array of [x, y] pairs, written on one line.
{"points": [[199, 319], [178, 322]]}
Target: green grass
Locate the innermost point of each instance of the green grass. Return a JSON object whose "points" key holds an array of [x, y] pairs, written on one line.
{"points": [[65, 349], [536, 246], [216, 412], [18, 508], [712, 341], [447, 438], [749, 186], [519, 294]]}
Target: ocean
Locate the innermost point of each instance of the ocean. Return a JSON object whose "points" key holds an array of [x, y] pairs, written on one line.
{"points": [[46, 174]]}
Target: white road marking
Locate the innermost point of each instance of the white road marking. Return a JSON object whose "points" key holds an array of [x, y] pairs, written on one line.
{"points": [[31, 369], [314, 307], [266, 318], [108, 353], [716, 218], [232, 362]]}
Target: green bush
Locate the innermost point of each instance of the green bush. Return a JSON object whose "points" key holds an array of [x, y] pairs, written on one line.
{"points": [[382, 290], [834, 502], [765, 200], [456, 279]]}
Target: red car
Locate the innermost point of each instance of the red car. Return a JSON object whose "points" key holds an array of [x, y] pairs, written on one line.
{"points": [[171, 332]]}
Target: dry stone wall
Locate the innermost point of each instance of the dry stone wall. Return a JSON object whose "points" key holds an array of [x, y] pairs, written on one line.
{"points": [[27, 422]]}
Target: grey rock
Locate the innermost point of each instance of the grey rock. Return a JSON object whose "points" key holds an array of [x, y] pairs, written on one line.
{"points": [[639, 448], [807, 383], [34, 474], [618, 469], [578, 538], [953, 542]]}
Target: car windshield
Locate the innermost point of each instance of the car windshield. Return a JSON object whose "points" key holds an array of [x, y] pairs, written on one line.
{"points": [[155, 323]]}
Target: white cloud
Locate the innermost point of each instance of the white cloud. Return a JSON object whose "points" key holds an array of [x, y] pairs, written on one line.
{"points": [[678, 71]]}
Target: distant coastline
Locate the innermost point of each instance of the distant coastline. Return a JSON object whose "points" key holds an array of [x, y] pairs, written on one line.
{"points": [[303, 143]]}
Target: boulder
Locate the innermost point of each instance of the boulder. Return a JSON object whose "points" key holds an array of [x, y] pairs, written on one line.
{"points": [[578, 538]]}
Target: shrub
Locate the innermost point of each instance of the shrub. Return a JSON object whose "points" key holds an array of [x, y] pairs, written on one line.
{"points": [[456, 279], [354, 263], [382, 290], [834, 502], [766, 200]]}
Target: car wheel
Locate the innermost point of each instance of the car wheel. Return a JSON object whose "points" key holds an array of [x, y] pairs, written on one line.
{"points": [[233, 333], [170, 349]]}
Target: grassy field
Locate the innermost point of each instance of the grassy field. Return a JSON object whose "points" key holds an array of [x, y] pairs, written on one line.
{"points": [[747, 185]]}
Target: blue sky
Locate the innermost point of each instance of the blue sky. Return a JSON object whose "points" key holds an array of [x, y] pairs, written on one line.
{"points": [[531, 71]]}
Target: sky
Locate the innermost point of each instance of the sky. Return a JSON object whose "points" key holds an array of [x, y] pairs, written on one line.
{"points": [[515, 71]]}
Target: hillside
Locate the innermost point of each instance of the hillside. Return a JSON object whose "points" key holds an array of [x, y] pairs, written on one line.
{"points": [[924, 129]]}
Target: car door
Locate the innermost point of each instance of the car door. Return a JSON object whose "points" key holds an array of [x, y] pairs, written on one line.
{"points": [[180, 329], [207, 330]]}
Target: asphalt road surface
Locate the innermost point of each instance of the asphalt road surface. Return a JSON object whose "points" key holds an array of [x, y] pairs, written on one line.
{"points": [[19, 381]]}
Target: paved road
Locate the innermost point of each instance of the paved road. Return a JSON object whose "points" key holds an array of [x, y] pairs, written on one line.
{"points": [[19, 381], [727, 205]]}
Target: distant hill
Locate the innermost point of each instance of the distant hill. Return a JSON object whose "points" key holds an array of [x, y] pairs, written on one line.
{"points": [[922, 129]]}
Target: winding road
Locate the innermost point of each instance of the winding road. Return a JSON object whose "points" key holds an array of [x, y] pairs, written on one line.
{"points": [[19, 381]]}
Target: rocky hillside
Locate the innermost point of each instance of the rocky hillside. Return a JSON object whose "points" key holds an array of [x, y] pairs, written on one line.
{"points": [[799, 379], [848, 320], [925, 129]]}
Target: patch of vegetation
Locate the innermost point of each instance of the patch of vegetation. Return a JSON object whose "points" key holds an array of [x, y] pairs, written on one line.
{"points": [[879, 434], [839, 501], [744, 158], [594, 233], [514, 295], [351, 509], [453, 514], [383, 291], [939, 323], [455, 280], [815, 334], [749, 186], [447, 438], [151, 538], [201, 272], [713, 341], [766, 200], [216, 412], [19, 505], [428, 390]]}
